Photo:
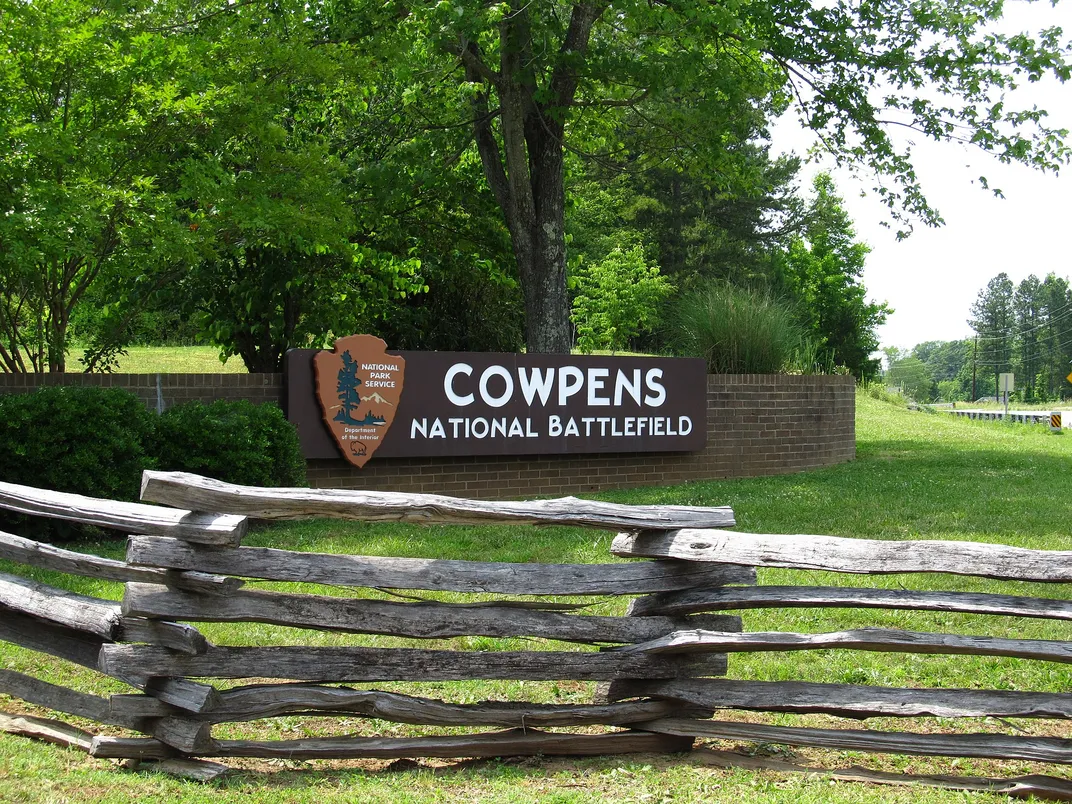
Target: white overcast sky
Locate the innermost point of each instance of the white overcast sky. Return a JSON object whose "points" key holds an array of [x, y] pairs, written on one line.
{"points": [[932, 277]]}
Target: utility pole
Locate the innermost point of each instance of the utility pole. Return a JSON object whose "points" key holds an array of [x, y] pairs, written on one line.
{"points": [[975, 355]]}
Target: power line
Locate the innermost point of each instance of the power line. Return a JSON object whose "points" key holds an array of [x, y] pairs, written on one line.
{"points": [[1041, 348], [1050, 320]]}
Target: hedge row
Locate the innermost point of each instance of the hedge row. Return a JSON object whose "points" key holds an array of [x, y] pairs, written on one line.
{"points": [[97, 441]]}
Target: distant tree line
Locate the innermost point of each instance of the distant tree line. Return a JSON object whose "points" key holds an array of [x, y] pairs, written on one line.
{"points": [[1024, 328]]}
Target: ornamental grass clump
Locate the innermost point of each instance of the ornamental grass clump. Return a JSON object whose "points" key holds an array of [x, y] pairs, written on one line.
{"points": [[736, 330]]}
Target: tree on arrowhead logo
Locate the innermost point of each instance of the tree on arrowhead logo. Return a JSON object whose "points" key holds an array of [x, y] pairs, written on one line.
{"points": [[359, 386]]}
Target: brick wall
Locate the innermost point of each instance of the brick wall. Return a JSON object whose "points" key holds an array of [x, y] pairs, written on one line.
{"points": [[165, 389], [756, 425]]}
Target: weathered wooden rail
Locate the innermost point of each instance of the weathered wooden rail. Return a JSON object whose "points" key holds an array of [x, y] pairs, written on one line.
{"points": [[146, 638], [663, 659]]}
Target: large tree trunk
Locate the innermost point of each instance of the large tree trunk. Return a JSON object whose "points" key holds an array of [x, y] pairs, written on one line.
{"points": [[542, 262], [60, 277], [524, 164]]}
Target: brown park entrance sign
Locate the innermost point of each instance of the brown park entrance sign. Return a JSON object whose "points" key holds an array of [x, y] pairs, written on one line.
{"points": [[359, 387], [360, 399]]}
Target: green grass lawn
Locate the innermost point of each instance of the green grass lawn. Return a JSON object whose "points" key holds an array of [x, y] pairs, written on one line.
{"points": [[917, 476], [184, 360], [173, 359]]}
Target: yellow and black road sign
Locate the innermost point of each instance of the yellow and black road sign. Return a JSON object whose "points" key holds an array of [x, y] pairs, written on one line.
{"points": [[1055, 421], [1069, 378]]}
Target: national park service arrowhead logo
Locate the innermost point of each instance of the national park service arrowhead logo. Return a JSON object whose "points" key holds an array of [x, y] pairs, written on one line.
{"points": [[359, 385]]}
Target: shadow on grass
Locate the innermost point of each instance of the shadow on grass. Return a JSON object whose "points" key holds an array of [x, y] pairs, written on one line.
{"points": [[307, 773], [500, 774]]}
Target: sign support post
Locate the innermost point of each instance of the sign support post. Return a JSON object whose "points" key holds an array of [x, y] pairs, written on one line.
{"points": [[1005, 386]]}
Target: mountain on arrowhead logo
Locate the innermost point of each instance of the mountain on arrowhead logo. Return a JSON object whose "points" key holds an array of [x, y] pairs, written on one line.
{"points": [[359, 386]]}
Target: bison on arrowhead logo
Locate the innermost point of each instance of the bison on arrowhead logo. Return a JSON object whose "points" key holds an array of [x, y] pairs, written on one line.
{"points": [[359, 386]]}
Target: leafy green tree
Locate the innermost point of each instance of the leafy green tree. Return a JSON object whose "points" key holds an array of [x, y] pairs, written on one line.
{"points": [[191, 160], [822, 276], [707, 230], [616, 298], [950, 391], [1025, 329], [538, 80], [471, 304], [944, 359], [691, 79], [949, 364], [911, 376], [260, 302], [695, 228], [285, 256], [418, 191], [97, 106]]}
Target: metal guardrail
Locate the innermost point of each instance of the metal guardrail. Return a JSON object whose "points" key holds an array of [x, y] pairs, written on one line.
{"points": [[1018, 416]]}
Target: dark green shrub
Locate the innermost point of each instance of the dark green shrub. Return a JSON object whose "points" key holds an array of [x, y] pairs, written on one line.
{"points": [[737, 331], [237, 442], [97, 442], [84, 440], [88, 441]]}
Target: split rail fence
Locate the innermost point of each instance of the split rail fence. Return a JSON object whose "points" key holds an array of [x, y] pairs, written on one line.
{"points": [[662, 663]]}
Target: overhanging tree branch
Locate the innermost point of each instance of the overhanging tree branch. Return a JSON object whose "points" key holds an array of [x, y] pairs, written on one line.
{"points": [[564, 78], [469, 55], [486, 144], [609, 103]]}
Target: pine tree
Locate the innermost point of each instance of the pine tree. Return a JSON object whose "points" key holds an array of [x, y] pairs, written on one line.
{"points": [[348, 389], [1030, 317], [992, 318]]}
